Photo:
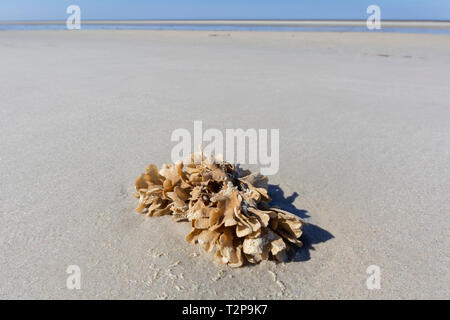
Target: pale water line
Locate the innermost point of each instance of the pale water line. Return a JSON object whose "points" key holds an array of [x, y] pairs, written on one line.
{"points": [[427, 27]]}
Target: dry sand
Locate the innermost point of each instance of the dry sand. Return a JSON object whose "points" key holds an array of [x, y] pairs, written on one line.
{"points": [[365, 137]]}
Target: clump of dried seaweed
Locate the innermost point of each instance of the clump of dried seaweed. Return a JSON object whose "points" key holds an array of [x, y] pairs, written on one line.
{"points": [[226, 206]]}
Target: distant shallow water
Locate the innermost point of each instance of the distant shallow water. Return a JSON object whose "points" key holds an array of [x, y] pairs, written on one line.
{"points": [[225, 27]]}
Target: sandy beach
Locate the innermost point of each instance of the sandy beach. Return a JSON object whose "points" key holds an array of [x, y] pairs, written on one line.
{"points": [[364, 125]]}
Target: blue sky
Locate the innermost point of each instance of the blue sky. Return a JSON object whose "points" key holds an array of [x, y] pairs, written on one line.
{"points": [[224, 9]]}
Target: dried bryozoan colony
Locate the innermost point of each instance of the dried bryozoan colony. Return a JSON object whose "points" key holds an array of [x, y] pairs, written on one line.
{"points": [[226, 206]]}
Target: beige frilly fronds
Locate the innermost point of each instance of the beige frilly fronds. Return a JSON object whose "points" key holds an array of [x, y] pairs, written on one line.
{"points": [[226, 206]]}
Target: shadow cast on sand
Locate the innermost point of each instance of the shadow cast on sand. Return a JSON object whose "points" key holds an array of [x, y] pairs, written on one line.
{"points": [[312, 234]]}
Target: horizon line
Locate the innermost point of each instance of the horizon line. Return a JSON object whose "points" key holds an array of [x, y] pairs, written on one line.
{"points": [[221, 20]]}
